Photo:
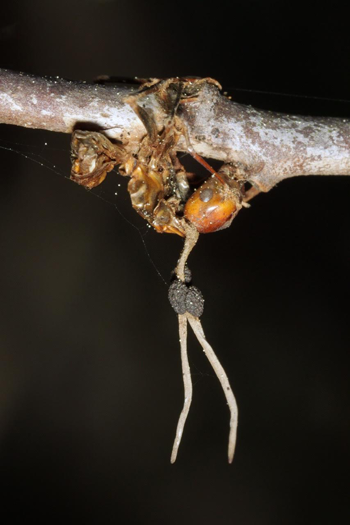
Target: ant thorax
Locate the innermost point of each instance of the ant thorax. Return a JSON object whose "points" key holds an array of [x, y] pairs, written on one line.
{"points": [[158, 183]]}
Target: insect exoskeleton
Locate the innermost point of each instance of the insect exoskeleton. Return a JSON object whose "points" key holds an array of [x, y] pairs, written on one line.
{"points": [[145, 188], [213, 206], [164, 217], [93, 156]]}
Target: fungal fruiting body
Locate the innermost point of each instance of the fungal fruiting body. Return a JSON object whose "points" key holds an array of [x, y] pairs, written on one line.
{"points": [[188, 303], [161, 193]]}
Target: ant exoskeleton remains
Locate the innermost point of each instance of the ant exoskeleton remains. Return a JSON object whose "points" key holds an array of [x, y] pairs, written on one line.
{"points": [[159, 184]]}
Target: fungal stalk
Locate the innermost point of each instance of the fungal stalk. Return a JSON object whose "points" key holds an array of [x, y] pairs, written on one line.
{"points": [[188, 303], [186, 374]]}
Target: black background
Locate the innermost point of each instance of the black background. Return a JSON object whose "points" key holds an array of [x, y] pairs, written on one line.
{"points": [[90, 377]]}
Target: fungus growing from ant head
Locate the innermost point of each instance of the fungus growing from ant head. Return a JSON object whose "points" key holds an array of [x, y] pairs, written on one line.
{"points": [[161, 192]]}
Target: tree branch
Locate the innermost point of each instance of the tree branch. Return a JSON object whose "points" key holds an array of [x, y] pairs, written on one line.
{"points": [[270, 146]]}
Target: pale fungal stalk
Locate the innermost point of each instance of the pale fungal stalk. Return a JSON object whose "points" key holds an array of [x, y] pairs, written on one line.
{"points": [[190, 242], [185, 299], [222, 377], [186, 374]]}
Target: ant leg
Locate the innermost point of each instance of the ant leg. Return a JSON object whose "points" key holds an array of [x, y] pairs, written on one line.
{"points": [[197, 157], [168, 99], [251, 193], [145, 115]]}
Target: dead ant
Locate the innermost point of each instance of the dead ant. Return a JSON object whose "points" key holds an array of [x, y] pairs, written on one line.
{"points": [[159, 184], [161, 193]]}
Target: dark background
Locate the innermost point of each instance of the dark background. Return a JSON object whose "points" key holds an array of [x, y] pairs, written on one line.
{"points": [[90, 376]]}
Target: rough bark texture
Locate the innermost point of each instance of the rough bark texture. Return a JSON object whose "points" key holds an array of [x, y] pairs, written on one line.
{"points": [[62, 105], [270, 146]]}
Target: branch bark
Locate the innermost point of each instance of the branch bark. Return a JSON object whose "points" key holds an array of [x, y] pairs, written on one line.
{"points": [[270, 146]]}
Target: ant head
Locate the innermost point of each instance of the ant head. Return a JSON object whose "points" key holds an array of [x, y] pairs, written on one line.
{"points": [[213, 206]]}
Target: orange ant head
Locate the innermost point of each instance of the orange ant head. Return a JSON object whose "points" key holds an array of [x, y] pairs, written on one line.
{"points": [[212, 207]]}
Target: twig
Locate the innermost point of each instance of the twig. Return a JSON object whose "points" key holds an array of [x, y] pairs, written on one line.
{"points": [[270, 147], [61, 105]]}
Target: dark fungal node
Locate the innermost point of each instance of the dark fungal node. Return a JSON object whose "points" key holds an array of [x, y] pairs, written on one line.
{"points": [[177, 296], [184, 297], [194, 301]]}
